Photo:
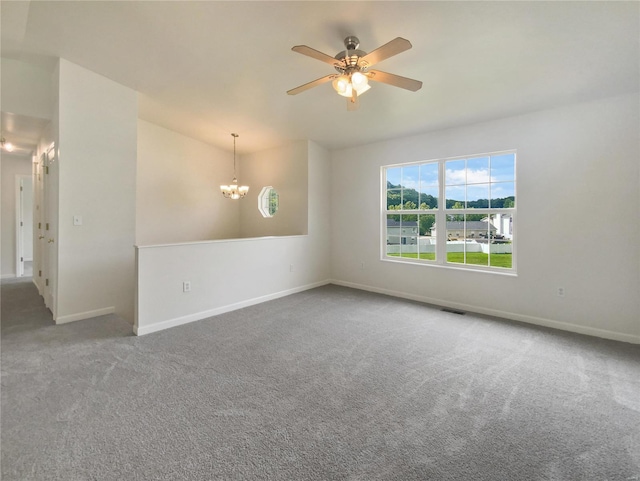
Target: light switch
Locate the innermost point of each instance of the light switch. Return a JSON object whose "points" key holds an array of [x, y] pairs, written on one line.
{"points": [[77, 220]]}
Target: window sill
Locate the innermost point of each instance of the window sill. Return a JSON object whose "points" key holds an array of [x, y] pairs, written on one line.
{"points": [[466, 268]]}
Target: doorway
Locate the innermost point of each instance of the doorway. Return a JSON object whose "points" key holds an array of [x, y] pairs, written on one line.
{"points": [[24, 226]]}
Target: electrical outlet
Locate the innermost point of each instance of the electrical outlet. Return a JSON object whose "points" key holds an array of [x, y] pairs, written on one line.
{"points": [[186, 286], [560, 291], [77, 220]]}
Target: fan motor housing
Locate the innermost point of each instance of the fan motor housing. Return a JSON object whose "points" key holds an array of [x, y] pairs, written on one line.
{"points": [[350, 57]]}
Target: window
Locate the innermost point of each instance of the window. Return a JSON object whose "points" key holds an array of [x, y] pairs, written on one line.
{"points": [[268, 201], [457, 212]]}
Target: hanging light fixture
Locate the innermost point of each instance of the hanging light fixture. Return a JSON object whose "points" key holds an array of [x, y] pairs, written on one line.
{"points": [[8, 146], [346, 85], [353, 80], [234, 191]]}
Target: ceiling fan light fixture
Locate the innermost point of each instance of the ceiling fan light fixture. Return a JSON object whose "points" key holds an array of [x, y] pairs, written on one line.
{"points": [[345, 84], [353, 67], [342, 85], [359, 80], [361, 89]]}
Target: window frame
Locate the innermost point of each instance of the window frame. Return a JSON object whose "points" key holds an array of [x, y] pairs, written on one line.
{"points": [[441, 213], [264, 201]]}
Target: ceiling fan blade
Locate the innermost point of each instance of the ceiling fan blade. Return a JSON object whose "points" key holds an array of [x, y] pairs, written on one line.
{"points": [[396, 46], [312, 84], [313, 53], [395, 80]]}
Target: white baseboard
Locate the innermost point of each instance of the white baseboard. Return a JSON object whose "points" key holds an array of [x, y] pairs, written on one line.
{"points": [[85, 315], [8, 276], [178, 321], [539, 321]]}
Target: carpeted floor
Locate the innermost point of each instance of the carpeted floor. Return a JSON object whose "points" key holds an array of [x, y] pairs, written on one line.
{"points": [[328, 384]]}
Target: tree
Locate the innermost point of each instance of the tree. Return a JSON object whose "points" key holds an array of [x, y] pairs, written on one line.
{"points": [[393, 198], [408, 205], [426, 223]]}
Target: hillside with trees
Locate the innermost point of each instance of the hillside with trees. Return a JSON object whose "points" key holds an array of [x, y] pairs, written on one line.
{"points": [[416, 200]]}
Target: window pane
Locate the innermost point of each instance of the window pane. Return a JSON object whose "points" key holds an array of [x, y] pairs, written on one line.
{"points": [[411, 177], [273, 202], [502, 195], [409, 199], [476, 238], [478, 196], [455, 238], [503, 167], [409, 236], [394, 197], [478, 170], [393, 234], [429, 197], [455, 172], [427, 239], [455, 197], [501, 242], [393, 177], [476, 228], [429, 174]]}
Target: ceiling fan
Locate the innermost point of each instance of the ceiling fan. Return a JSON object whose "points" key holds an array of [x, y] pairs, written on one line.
{"points": [[352, 79]]}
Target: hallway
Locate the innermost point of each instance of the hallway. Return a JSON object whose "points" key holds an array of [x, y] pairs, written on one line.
{"points": [[49, 373], [21, 307]]}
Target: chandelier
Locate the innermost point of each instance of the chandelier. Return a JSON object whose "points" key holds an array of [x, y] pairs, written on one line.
{"points": [[234, 191]]}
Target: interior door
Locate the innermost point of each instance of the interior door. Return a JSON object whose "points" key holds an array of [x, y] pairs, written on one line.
{"points": [[51, 176], [38, 225]]}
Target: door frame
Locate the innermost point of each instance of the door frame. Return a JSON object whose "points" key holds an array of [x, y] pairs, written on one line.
{"points": [[50, 205], [20, 178]]}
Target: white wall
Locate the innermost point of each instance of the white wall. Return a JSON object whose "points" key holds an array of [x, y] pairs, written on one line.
{"points": [[26, 89], [578, 210], [285, 169], [178, 197], [97, 128], [10, 166], [230, 274], [178, 189]]}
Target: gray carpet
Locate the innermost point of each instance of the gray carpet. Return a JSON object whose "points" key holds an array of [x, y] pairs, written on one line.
{"points": [[328, 384]]}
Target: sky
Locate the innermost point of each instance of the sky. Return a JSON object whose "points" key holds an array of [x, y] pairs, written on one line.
{"points": [[485, 177]]}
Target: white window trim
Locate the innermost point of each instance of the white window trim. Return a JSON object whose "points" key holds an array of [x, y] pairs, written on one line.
{"points": [[263, 202], [441, 214]]}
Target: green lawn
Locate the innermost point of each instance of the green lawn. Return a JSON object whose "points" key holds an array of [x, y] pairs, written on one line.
{"points": [[476, 258]]}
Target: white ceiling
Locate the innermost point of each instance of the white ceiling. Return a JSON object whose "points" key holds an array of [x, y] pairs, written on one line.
{"points": [[22, 131], [209, 68]]}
